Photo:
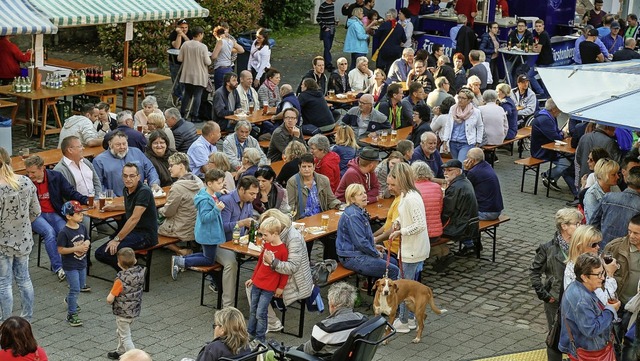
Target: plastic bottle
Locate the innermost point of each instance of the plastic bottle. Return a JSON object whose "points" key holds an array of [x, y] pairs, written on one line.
{"points": [[236, 234], [15, 84], [83, 78]]}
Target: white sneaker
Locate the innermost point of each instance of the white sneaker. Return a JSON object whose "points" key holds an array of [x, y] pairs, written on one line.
{"points": [[61, 275], [401, 327], [277, 328], [412, 324]]}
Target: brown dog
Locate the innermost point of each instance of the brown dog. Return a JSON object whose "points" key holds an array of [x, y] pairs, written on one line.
{"points": [[389, 294]]}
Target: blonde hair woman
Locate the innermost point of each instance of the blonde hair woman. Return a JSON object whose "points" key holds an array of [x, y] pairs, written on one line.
{"points": [[291, 157], [509, 106], [586, 239], [19, 207], [466, 119], [412, 226], [606, 173], [230, 336], [346, 146], [220, 161], [355, 244], [156, 121]]}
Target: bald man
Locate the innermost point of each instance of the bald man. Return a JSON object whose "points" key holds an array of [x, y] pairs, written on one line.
{"points": [[628, 52], [289, 100], [364, 119], [246, 92], [135, 355], [485, 184]]}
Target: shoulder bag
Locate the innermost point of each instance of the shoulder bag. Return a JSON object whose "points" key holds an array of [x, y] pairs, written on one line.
{"points": [[375, 55], [604, 354]]}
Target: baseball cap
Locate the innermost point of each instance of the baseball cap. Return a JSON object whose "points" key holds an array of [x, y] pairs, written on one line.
{"points": [[452, 163], [71, 207], [182, 21], [522, 78], [592, 32], [615, 25]]}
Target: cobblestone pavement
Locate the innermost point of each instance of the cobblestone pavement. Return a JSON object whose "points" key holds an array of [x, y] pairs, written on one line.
{"points": [[491, 307]]}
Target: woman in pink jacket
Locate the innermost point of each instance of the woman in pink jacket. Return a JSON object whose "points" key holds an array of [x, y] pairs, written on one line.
{"points": [[431, 196]]}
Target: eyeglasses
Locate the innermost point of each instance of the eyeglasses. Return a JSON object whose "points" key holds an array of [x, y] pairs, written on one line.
{"points": [[290, 118], [129, 176], [599, 275], [594, 245], [363, 103], [216, 325], [342, 64]]}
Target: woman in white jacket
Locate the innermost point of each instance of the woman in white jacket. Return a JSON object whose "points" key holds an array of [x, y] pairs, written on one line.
{"points": [[411, 225], [464, 129]]}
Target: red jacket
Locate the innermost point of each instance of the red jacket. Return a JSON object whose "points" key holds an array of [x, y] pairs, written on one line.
{"points": [[10, 59], [354, 175], [263, 276], [467, 7], [329, 166], [432, 198]]}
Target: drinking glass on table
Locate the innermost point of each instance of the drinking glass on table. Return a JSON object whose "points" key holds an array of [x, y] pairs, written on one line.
{"points": [[108, 196], [380, 198], [252, 107], [325, 222]]}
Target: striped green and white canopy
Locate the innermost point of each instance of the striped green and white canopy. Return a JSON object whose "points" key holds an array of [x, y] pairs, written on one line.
{"points": [[67, 13], [18, 17]]}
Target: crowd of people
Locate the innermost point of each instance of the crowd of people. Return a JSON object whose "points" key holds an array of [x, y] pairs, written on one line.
{"points": [[230, 185]]}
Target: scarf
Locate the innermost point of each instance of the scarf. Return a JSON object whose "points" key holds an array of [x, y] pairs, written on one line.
{"points": [[271, 86], [564, 245], [459, 114]]}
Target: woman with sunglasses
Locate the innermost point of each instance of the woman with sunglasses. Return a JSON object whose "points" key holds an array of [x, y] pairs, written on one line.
{"points": [[586, 239], [272, 194], [230, 336], [550, 261], [464, 128]]}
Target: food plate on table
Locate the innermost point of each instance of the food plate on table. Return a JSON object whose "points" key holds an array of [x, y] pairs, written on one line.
{"points": [[559, 142], [159, 194], [315, 230]]}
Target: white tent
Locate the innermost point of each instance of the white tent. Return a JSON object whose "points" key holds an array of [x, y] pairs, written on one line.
{"points": [[607, 93]]}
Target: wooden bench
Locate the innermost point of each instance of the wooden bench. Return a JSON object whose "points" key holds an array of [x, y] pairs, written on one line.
{"points": [[490, 228], [14, 111], [522, 134], [339, 274], [147, 253], [530, 164], [215, 271]]}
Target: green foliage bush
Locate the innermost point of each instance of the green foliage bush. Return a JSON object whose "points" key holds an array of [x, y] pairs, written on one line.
{"points": [[151, 38], [279, 14]]}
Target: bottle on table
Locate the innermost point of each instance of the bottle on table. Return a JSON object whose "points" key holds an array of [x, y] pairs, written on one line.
{"points": [[252, 232]]}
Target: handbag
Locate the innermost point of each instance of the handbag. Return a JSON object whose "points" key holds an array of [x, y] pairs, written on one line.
{"points": [[604, 354], [375, 55], [553, 337]]}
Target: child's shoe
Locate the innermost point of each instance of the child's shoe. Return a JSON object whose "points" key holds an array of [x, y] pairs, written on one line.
{"points": [[73, 320], [78, 309], [114, 355]]}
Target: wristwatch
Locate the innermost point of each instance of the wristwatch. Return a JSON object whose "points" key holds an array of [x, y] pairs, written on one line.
{"points": [[116, 238]]}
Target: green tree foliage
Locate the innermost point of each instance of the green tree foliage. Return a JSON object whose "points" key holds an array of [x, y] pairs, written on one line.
{"points": [[279, 14]]}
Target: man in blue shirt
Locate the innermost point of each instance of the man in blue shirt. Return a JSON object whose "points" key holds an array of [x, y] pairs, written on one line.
{"points": [[135, 139], [486, 185], [109, 164], [238, 209], [200, 150], [427, 152], [613, 41], [576, 54]]}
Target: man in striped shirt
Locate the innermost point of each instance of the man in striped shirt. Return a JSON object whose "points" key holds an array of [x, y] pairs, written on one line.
{"points": [[327, 20]]}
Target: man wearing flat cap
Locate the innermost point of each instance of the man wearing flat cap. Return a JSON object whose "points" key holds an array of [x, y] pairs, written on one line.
{"points": [[460, 209], [361, 170]]}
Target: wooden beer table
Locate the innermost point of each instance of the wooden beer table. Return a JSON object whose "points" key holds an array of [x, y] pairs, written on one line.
{"points": [[564, 150], [388, 144], [51, 157], [47, 98], [254, 118]]}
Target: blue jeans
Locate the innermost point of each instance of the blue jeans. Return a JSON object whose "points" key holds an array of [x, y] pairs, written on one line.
{"points": [[535, 85], [488, 216], [18, 267], [257, 326], [371, 266], [459, 150], [48, 225], [191, 92], [218, 76], [409, 270], [178, 88], [133, 240], [206, 258], [561, 169], [76, 279], [327, 41]]}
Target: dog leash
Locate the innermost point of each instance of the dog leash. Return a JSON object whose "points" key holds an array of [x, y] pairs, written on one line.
{"points": [[386, 272]]}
